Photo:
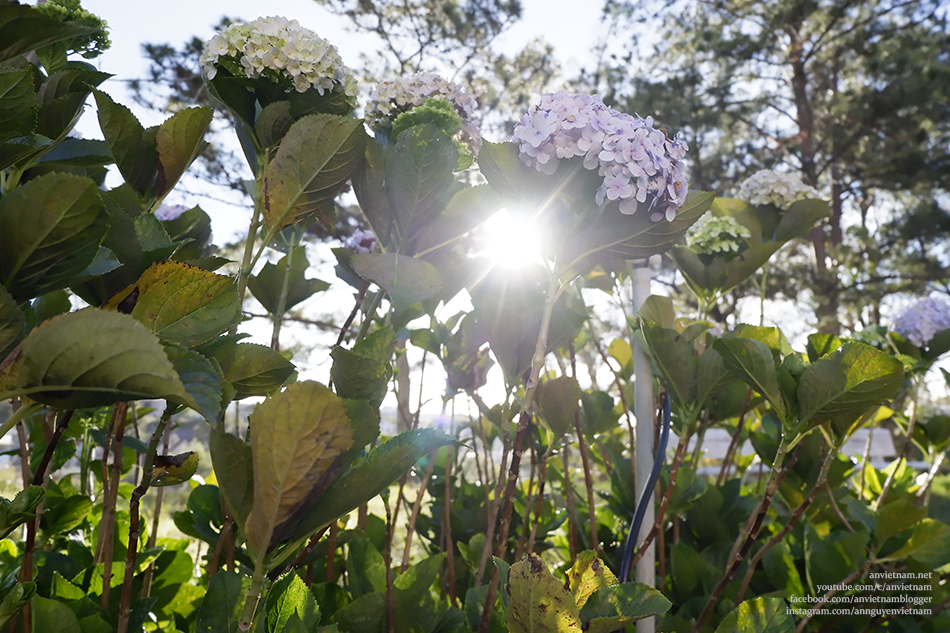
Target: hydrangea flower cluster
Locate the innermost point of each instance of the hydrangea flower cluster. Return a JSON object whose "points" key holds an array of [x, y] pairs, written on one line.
{"points": [[717, 234], [391, 98], [634, 158], [361, 241], [780, 189], [71, 11], [921, 321], [168, 212], [282, 51]]}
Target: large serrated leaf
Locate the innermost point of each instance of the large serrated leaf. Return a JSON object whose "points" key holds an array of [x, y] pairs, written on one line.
{"points": [[18, 106], [849, 380], [419, 179], [290, 597], [133, 151], [179, 140], [94, 357], [221, 609], [537, 601], [315, 159], [929, 545], [17, 512], [753, 362], [267, 285], [252, 369], [182, 304], [612, 608], [200, 379], [672, 356], [52, 226], [760, 615], [297, 440], [406, 279], [370, 476], [587, 575]]}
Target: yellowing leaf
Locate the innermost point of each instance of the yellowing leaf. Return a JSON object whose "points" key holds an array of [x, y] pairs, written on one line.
{"points": [[297, 439], [587, 575], [538, 602]]}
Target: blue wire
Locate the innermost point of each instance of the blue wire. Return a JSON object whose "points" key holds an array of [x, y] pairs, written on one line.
{"points": [[630, 547]]}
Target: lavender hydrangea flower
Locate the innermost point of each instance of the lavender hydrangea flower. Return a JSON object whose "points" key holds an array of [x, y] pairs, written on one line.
{"points": [[780, 189], [361, 241], [168, 212], [921, 321], [282, 51], [634, 159]]}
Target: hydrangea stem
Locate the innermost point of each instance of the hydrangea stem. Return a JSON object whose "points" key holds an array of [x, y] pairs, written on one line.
{"points": [[253, 595]]}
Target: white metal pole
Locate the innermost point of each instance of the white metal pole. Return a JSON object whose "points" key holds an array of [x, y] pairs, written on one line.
{"points": [[643, 410]]}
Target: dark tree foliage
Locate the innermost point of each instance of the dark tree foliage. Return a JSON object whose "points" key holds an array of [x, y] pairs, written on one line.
{"points": [[853, 95]]}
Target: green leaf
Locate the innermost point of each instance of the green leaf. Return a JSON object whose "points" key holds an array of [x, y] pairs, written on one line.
{"points": [[612, 608], [895, 517], [538, 602], [820, 345], [753, 362], [659, 310], [52, 227], [268, 284], [15, 599], [52, 615], [363, 373], [419, 171], [132, 147], [312, 165], [11, 323], [200, 379], [18, 105], [672, 356], [62, 99], [233, 466], [223, 605], [366, 613], [288, 597], [367, 478], [252, 369], [407, 280], [95, 357], [848, 381], [17, 512], [23, 29], [273, 123], [297, 439], [467, 209], [760, 615], [179, 140], [171, 470], [929, 545], [365, 567], [771, 337], [558, 402], [66, 514], [183, 304], [587, 575]]}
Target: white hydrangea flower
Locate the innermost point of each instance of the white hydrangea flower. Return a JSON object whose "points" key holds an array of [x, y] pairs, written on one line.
{"points": [[391, 98], [634, 158], [717, 234], [780, 189], [279, 49], [921, 321]]}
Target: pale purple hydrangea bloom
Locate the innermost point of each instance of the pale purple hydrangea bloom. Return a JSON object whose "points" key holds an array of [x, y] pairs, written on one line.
{"points": [[391, 98], [170, 212], [921, 321], [634, 158], [361, 241], [278, 47]]}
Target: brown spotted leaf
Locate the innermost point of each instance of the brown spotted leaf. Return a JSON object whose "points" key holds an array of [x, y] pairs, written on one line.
{"points": [[538, 602], [297, 439], [587, 575]]}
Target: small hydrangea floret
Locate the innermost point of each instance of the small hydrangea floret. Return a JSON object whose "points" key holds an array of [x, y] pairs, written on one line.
{"points": [[71, 11], [714, 235], [770, 187], [920, 322], [394, 104], [281, 51], [361, 241], [634, 159]]}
